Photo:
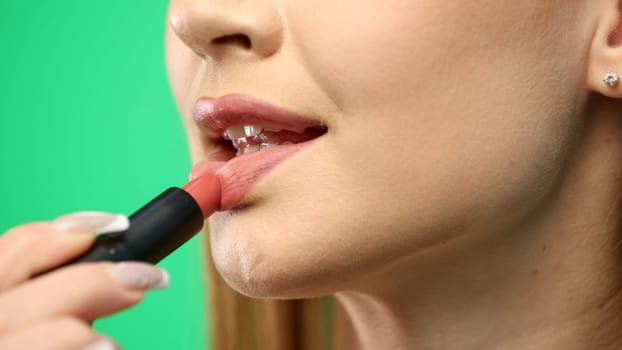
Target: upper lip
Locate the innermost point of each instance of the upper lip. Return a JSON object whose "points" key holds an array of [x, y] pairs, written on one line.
{"points": [[215, 115]]}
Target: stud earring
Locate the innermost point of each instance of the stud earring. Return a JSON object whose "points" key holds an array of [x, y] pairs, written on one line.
{"points": [[611, 79]]}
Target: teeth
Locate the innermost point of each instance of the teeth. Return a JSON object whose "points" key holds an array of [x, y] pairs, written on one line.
{"points": [[234, 133], [240, 143], [237, 132], [246, 137], [252, 130]]}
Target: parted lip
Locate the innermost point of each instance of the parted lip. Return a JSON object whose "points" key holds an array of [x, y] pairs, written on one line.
{"points": [[290, 133], [214, 115]]}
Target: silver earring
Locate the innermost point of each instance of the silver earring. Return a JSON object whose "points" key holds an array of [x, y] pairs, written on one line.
{"points": [[611, 79]]}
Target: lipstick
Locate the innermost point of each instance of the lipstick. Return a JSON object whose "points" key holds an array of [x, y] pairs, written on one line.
{"points": [[160, 226]]}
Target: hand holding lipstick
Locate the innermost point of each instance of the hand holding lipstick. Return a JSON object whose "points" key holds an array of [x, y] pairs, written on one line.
{"points": [[55, 310]]}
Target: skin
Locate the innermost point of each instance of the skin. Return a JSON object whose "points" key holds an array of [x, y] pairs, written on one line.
{"points": [[466, 194]]}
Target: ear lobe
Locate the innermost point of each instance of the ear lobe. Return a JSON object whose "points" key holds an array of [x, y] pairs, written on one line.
{"points": [[606, 52]]}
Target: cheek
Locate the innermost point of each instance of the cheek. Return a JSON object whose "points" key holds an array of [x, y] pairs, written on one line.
{"points": [[445, 104], [396, 49], [373, 46]]}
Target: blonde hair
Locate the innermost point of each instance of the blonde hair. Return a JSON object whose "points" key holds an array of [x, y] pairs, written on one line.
{"points": [[241, 323]]}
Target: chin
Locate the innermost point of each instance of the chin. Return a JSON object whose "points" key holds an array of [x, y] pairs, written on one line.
{"points": [[256, 260]]}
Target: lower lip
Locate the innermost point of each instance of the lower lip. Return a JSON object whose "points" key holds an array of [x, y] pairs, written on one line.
{"points": [[238, 175]]}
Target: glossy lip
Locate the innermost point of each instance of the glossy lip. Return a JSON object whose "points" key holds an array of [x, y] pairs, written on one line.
{"points": [[217, 114], [237, 175]]}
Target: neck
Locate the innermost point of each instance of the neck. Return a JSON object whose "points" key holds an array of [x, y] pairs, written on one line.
{"points": [[554, 282]]}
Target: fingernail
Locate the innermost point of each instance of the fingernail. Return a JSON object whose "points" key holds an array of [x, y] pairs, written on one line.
{"points": [[102, 344], [92, 221], [137, 275]]}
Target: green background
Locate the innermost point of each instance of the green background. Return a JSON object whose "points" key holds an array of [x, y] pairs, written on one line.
{"points": [[88, 123]]}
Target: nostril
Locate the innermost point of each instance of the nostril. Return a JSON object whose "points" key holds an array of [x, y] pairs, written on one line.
{"points": [[234, 39]]}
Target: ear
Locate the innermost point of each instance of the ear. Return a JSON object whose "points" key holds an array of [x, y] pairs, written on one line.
{"points": [[606, 52]]}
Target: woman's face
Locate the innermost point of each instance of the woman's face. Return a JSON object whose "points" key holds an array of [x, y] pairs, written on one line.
{"points": [[442, 117]]}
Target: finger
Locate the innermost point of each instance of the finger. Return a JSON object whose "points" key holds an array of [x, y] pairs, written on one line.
{"points": [[86, 291], [56, 334], [31, 248], [34, 248]]}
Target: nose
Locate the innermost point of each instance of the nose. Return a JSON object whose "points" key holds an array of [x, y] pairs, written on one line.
{"points": [[221, 28]]}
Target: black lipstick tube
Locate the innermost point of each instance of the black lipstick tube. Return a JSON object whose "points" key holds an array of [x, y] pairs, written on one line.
{"points": [[156, 230], [161, 226]]}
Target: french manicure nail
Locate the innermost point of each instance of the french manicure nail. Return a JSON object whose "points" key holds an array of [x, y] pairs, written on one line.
{"points": [[101, 344], [138, 275], [92, 221]]}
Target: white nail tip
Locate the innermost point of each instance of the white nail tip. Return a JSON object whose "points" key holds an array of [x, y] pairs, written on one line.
{"points": [[92, 221], [164, 282], [119, 223], [138, 275], [101, 344]]}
